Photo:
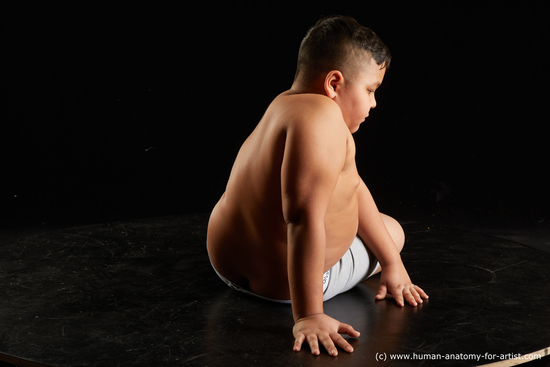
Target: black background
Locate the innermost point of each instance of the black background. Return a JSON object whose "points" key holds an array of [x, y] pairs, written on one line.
{"points": [[118, 111]]}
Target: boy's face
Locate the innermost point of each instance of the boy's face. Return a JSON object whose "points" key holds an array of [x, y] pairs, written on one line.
{"points": [[356, 94]]}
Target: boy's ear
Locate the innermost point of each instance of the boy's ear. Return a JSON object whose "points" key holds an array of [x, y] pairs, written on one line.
{"points": [[333, 81]]}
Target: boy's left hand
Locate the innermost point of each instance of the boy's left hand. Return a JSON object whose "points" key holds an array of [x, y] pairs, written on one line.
{"points": [[395, 280]]}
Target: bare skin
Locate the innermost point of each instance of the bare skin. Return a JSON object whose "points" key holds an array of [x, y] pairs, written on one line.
{"points": [[294, 203]]}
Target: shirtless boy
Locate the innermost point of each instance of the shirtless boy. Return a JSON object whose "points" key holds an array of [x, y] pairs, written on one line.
{"points": [[296, 221]]}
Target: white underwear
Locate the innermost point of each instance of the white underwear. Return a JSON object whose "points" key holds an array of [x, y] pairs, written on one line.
{"points": [[356, 265]]}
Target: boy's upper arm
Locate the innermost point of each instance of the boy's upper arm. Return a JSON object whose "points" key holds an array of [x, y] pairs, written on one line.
{"points": [[314, 155]]}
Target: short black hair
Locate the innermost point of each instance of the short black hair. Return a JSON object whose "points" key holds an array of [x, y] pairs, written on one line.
{"points": [[333, 41]]}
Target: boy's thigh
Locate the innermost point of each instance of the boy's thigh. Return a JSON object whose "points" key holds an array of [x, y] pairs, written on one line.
{"points": [[396, 231]]}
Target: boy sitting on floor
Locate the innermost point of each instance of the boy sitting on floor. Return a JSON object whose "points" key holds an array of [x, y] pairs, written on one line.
{"points": [[296, 222]]}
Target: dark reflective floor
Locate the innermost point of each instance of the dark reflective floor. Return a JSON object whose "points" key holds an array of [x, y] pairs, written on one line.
{"points": [[142, 293]]}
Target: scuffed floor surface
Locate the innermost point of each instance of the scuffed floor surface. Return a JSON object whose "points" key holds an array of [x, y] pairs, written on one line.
{"points": [[142, 293]]}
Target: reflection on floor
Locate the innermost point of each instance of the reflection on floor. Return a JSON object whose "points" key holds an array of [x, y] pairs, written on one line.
{"points": [[142, 293]]}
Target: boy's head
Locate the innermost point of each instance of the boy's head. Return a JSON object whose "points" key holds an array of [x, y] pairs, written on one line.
{"points": [[339, 43]]}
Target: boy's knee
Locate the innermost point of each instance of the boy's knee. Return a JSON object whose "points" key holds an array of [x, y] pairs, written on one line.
{"points": [[396, 231]]}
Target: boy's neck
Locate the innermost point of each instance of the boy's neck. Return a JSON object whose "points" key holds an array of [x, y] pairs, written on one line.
{"points": [[299, 87]]}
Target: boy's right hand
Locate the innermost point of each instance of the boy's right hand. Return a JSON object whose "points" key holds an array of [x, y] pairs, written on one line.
{"points": [[322, 328]]}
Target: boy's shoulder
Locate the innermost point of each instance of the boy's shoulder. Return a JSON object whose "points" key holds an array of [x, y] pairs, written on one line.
{"points": [[309, 115]]}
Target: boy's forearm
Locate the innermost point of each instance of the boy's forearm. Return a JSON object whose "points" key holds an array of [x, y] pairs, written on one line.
{"points": [[306, 259], [373, 231]]}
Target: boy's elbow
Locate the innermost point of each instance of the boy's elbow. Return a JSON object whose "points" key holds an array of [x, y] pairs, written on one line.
{"points": [[300, 218], [303, 212], [293, 218]]}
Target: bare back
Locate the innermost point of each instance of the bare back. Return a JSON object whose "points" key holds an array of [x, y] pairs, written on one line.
{"points": [[247, 232]]}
